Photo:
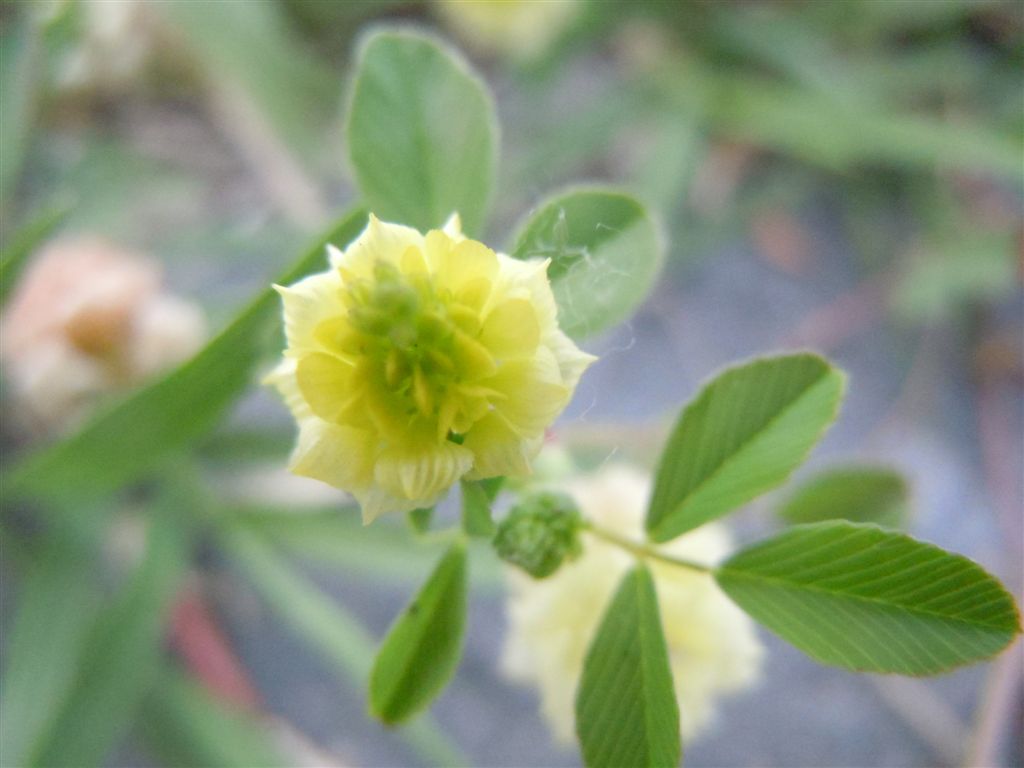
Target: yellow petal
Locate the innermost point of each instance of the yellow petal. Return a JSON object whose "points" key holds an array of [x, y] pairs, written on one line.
{"points": [[421, 471], [572, 361], [437, 247], [534, 394], [413, 261], [307, 304], [380, 241], [282, 378], [511, 330], [453, 227], [326, 383], [336, 455], [526, 280], [472, 296], [336, 336], [498, 450], [472, 359], [463, 262]]}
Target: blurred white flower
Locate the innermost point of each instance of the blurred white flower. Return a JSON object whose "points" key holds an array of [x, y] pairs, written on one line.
{"points": [[86, 319], [520, 29], [713, 648]]}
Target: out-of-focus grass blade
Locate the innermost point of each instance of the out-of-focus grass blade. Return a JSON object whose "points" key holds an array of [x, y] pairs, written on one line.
{"points": [[22, 245], [121, 655], [57, 602], [186, 727], [327, 626], [819, 129], [238, 446], [250, 44], [20, 71], [335, 537], [135, 435], [955, 270]]}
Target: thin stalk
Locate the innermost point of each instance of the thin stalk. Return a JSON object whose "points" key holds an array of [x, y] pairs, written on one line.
{"points": [[644, 551]]}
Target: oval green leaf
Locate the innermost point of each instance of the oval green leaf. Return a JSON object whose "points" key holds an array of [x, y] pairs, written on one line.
{"points": [[626, 708], [858, 494], [605, 253], [422, 648], [328, 628], [857, 596], [422, 133], [131, 438], [743, 435]]}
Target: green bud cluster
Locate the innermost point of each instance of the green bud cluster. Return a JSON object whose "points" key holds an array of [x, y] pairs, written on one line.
{"points": [[540, 533]]}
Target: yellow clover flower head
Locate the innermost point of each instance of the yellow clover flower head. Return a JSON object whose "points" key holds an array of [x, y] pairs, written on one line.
{"points": [[519, 29], [417, 360]]}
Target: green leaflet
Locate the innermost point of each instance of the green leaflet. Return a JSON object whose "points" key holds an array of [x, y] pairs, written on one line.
{"points": [[746, 431], [422, 648], [120, 444], [626, 709], [423, 138], [858, 494], [860, 597], [338, 635], [604, 251]]}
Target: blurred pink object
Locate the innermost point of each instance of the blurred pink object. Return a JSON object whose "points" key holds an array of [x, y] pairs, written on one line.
{"points": [[88, 318]]}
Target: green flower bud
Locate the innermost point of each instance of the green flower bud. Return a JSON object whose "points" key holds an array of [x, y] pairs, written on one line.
{"points": [[540, 533]]}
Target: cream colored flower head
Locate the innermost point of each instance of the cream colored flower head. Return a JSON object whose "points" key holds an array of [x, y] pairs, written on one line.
{"points": [[86, 319], [712, 644], [417, 360], [520, 29]]}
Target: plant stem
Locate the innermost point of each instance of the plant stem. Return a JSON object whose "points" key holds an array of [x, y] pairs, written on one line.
{"points": [[645, 551]]}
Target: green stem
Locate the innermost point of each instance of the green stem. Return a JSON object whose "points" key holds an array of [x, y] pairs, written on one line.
{"points": [[645, 551]]}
